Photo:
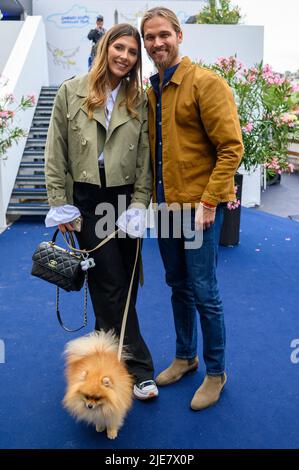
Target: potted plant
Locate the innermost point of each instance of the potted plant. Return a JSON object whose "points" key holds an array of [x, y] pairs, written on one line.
{"points": [[268, 108]]}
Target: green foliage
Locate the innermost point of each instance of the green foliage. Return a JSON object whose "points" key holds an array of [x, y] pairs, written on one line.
{"points": [[224, 14]]}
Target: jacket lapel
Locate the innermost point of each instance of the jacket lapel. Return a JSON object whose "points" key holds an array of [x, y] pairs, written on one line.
{"points": [[152, 99], [98, 114], [120, 114]]}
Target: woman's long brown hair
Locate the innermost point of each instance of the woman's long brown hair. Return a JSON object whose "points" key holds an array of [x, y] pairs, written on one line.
{"points": [[98, 77]]}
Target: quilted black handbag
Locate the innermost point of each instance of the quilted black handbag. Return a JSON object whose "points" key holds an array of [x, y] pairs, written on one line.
{"points": [[63, 268], [57, 265]]}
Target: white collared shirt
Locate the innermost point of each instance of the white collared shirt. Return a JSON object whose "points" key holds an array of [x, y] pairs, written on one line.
{"points": [[66, 213], [108, 110]]}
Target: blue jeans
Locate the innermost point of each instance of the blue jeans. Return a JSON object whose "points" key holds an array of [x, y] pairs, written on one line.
{"points": [[191, 274]]}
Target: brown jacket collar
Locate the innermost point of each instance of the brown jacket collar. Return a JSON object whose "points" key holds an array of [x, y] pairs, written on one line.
{"points": [[178, 75]]}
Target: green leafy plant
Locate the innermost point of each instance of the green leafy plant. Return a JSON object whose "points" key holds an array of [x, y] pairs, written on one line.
{"points": [[9, 131], [224, 14]]}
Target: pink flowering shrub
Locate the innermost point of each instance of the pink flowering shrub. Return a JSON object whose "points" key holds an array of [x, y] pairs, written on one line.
{"points": [[268, 108], [9, 132], [146, 84], [277, 167], [234, 204]]}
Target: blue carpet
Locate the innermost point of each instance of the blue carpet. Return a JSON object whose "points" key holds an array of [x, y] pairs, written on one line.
{"points": [[259, 407]]}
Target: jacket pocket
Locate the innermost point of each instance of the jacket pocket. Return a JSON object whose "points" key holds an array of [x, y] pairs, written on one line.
{"points": [[190, 177], [128, 167], [128, 159]]}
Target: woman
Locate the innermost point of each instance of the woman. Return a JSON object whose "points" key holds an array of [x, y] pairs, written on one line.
{"points": [[98, 140]]}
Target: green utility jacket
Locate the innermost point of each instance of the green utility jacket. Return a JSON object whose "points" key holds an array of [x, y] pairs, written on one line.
{"points": [[74, 144]]}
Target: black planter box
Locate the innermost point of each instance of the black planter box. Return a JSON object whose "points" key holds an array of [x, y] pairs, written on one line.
{"points": [[230, 231], [274, 179]]}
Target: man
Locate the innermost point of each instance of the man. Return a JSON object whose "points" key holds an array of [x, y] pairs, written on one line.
{"points": [[95, 35], [196, 147]]}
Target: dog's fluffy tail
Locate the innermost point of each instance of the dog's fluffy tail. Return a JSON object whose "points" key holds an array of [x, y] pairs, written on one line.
{"points": [[98, 341]]}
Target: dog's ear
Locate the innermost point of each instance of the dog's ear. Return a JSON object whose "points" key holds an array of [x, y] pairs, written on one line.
{"points": [[106, 381]]}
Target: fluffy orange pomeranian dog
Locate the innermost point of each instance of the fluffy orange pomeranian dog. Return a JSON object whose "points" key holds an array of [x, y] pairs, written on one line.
{"points": [[99, 387]]}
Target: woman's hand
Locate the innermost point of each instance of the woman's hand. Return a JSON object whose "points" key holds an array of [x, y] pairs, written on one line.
{"points": [[66, 227], [132, 221]]}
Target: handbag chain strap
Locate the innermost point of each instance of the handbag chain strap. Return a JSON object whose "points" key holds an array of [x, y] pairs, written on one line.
{"points": [[84, 308]]}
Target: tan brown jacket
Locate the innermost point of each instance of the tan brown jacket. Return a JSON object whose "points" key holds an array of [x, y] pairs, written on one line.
{"points": [[201, 136]]}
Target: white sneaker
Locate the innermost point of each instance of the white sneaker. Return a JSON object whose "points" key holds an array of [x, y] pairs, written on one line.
{"points": [[145, 390]]}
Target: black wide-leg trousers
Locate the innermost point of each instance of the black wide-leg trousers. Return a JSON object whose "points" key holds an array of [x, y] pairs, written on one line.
{"points": [[109, 280]]}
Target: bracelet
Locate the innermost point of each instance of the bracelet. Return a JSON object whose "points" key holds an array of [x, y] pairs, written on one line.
{"points": [[213, 209]]}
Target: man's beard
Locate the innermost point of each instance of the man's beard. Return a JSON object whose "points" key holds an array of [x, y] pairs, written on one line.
{"points": [[172, 54]]}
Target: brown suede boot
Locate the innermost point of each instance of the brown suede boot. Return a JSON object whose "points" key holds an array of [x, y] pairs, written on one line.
{"points": [[209, 392], [176, 370]]}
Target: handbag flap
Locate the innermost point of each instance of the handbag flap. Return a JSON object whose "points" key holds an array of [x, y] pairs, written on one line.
{"points": [[57, 259]]}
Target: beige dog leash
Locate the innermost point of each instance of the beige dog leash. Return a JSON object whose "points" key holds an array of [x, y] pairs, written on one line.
{"points": [[103, 242], [125, 316]]}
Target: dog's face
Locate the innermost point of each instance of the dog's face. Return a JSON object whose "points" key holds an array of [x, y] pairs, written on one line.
{"points": [[92, 389], [95, 391], [92, 402]]}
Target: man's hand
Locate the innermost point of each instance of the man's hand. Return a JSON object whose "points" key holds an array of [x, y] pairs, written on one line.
{"points": [[204, 217]]}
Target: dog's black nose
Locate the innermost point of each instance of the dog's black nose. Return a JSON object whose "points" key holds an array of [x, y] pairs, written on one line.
{"points": [[90, 406]]}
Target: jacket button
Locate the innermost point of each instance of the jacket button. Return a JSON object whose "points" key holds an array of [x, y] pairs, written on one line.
{"points": [[84, 174], [83, 141], [131, 147], [127, 177], [68, 115]]}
